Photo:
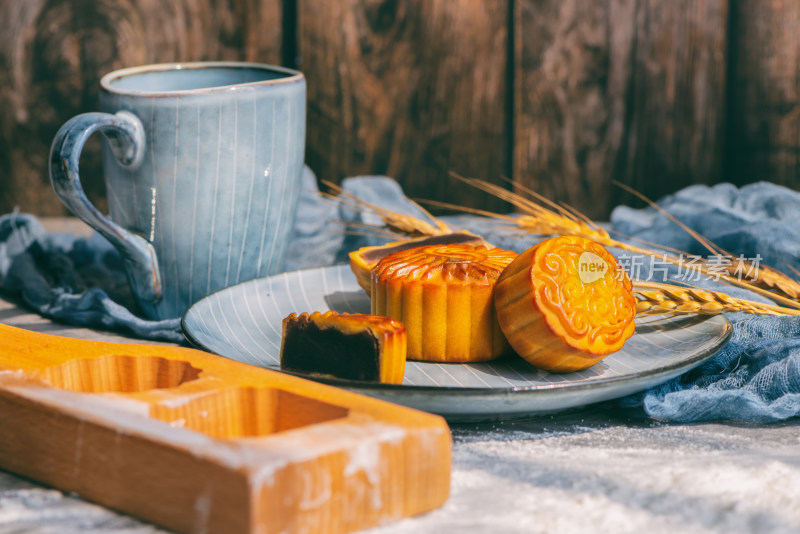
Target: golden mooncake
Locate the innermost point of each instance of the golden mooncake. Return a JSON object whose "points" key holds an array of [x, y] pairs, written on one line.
{"points": [[349, 346], [565, 303], [364, 259], [443, 294]]}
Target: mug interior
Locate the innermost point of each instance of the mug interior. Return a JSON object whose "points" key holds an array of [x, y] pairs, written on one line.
{"points": [[191, 78]]}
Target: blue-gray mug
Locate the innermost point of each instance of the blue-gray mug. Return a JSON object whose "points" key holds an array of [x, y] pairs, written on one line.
{"points": [[202, 167]]}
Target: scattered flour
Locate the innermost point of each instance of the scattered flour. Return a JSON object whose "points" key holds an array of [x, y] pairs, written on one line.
{"points": [[583, 479]]}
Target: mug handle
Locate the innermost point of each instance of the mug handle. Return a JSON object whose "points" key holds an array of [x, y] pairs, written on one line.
{"points": [[125, 135]]}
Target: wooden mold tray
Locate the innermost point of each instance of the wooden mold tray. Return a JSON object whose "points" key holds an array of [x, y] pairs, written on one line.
{"points": [[198, 443]]}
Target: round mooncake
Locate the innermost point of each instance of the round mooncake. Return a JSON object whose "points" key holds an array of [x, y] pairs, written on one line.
{"points": [[364, 259], [565, 303], [444, 294]]}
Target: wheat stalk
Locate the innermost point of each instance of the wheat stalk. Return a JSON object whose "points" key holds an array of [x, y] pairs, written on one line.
{"points": [[397, 223], [544, 217], [657, 299], [762, 276]]}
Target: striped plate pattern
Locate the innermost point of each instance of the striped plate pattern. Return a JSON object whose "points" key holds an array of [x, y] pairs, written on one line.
{"points": [[243, 323]]}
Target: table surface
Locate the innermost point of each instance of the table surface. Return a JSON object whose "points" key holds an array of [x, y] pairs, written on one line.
{"points": [[595, 470]]}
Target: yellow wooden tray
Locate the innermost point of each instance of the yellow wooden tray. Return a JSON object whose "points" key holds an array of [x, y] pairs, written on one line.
{"points": [[199, 443]]}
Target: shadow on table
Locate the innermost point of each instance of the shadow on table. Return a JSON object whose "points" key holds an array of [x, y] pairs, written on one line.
{"points": [[575, 421]]}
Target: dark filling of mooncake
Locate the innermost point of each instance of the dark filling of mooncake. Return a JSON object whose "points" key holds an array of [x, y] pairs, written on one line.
{"points": [[307, 348]]}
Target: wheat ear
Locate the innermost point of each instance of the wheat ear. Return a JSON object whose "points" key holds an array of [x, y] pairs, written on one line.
{"points": [[545, 217], [762, 276], [397, 223], [656, 299]]}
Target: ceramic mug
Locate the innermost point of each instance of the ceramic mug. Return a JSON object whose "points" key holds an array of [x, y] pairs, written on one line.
{"points": [[202, 166]]}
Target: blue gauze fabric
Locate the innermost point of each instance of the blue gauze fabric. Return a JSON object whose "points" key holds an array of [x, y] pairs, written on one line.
{"points": [[73, 280], [755, 378]]}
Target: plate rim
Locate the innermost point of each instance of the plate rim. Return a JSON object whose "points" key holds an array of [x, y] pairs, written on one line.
{"points": [[589, 384]]}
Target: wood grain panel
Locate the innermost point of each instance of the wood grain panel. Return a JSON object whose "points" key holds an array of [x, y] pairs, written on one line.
{"points": [[408, 88], [617, 89], [53, 52], [764, 110]]}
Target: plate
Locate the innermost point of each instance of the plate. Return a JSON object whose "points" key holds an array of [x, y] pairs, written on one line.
{"points": [[243, 322]]}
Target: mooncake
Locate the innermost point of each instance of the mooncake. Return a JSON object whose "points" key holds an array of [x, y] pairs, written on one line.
{"points": [[364, 259], [348, 346], [565, 303], [443, 294]]}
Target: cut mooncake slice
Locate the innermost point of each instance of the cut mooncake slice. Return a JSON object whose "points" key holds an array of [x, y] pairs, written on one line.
{"points": [[364, 259], [443, 294], [565, 303], [349, 346]]}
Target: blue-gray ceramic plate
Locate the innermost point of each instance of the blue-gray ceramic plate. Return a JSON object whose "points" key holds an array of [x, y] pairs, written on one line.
{"points": [[243, 323]]}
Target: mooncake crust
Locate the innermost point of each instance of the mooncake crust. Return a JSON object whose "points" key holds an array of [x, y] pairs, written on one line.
{"points": [[364, 259], [444, 294], [559, 315]]}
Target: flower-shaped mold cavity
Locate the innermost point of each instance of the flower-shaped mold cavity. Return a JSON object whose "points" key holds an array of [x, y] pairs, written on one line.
{"points": [[246, 412], [120, 374]]}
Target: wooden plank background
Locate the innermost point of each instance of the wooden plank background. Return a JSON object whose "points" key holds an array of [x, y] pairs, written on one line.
{"points": [[409, 89], [764, 112], [561, 96], [53, 53], [627, 91]]}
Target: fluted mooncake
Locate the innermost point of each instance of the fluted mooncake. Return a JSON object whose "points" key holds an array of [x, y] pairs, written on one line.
{"points": [[565, 303], [443, 294], [349, 346], [364, 259]]}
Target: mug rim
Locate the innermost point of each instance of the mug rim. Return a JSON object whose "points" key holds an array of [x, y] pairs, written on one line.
{"points": [[105, 82]]}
